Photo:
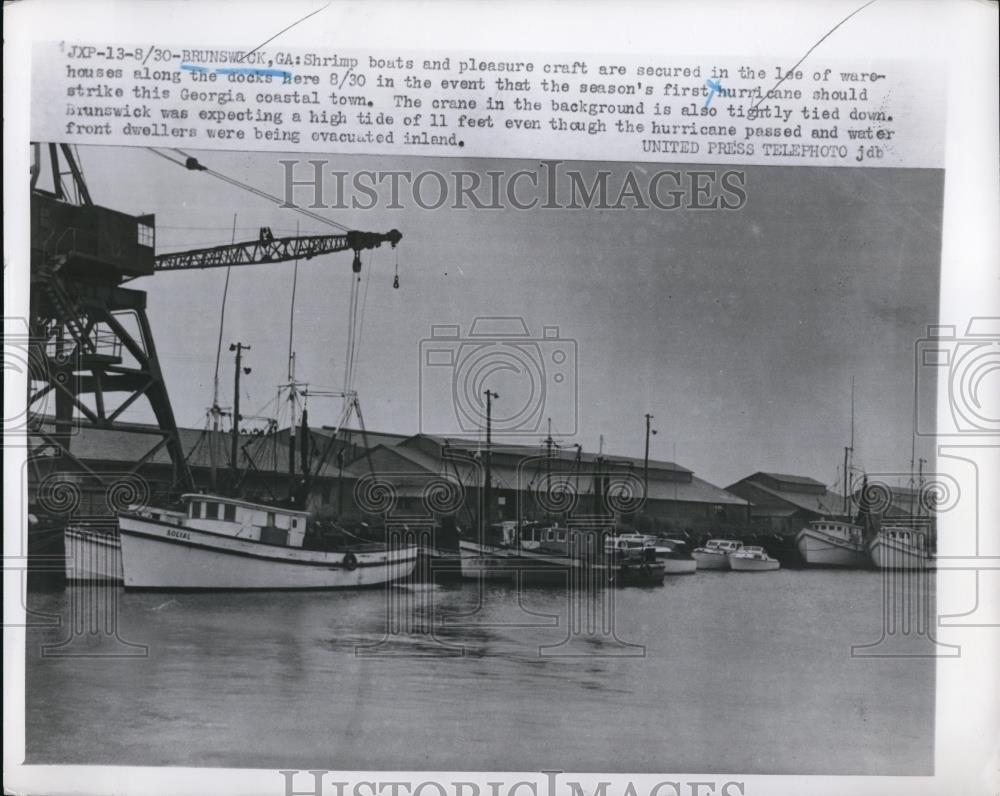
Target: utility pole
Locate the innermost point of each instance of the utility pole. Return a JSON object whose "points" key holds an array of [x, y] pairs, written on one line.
{"points": [[488, 480], [645, 461], [239, 348]]}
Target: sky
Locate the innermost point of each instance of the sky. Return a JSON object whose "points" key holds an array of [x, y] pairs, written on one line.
{"points": [[739, 331]]}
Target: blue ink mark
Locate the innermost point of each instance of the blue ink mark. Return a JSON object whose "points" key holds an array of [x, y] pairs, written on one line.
{"points": [[250, 70], [714, 86], [238, 70]]}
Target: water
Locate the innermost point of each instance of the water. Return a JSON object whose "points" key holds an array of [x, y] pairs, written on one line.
{"points": [[740, 672]]}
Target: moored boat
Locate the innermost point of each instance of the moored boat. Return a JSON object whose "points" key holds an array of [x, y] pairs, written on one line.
{"points": [[714, 554], [752, 558], [897, 547], [833, 543], [672, 553], [538, 551], [226, 543], [92, 555]]}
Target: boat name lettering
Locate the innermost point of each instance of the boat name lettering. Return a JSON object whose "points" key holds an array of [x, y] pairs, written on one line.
{"points": [[178, 534]]}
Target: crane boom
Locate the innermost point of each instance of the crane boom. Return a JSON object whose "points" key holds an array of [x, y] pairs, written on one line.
{"points": [[268, 249]]}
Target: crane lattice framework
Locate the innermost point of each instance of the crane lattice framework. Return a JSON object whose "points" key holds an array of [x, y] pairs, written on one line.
{"points": [[90, 338]]}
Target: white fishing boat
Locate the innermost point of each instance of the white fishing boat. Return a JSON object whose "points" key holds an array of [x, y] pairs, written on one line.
{"points": [[92, 555], [833, 543], [897, 547], [752, 559], [93, 550], [715, 553], [226, 543]]}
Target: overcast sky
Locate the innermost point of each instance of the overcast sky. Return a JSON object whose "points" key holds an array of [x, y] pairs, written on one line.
{"points": [[739, 331]]}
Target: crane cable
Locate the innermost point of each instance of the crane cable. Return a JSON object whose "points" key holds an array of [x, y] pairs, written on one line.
{"points": [[192, 164]]}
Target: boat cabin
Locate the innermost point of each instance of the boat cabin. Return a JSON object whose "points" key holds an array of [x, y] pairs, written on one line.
{"points": [[722, 545], [842, 530], [904, 536], [244, 520], [159, 515]]}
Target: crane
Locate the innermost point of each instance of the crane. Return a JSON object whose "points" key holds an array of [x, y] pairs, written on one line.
{"points": [[81, 256], [269, 249]]}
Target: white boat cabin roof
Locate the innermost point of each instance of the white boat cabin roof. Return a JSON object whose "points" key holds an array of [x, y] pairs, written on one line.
{"points": [[246, 504], [723, 544]]}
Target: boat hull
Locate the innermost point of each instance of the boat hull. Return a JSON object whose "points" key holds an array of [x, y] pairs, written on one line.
{"points": [[706, 560], [889, 554], [159, 555], [679, 566], [482, 562], [742, 564], [92, 556], [823, 550]]}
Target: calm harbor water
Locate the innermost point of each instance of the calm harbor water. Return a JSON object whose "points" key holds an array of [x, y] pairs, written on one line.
{"points": [[739, 673]]}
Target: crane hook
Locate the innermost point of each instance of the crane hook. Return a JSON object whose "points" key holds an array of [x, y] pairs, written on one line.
{"points": [[395, 278]]}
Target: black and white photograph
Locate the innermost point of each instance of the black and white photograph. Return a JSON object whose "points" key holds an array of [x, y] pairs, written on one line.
{"points": [[678, 417], [428, 459]]}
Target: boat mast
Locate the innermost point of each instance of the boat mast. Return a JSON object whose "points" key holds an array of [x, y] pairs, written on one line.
{"points": [[239, 348], [488, 476], [645, 460], [850, 468], [848, 455]]}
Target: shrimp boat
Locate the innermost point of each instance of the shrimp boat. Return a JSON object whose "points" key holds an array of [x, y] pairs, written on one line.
{"points": [[715, 553], [752, 558], [227, 543], [897, 547], [833, 543]]}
